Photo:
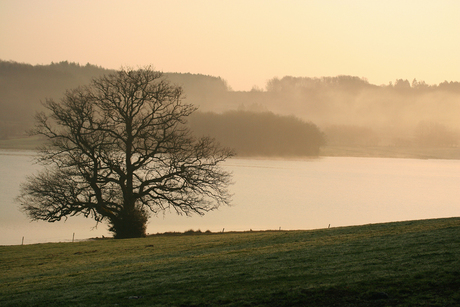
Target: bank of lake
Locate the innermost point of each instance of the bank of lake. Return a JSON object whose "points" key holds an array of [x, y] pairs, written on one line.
{"points": [[412, 152]]}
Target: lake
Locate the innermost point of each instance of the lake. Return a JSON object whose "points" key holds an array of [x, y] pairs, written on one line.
{"points": [[271, 194]]}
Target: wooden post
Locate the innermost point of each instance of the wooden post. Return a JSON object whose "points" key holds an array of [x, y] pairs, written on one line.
{"points": [[73, 237], [22, 241]]}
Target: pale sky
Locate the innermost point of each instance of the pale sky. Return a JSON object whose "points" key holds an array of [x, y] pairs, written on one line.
{"points": [[246, 42]]}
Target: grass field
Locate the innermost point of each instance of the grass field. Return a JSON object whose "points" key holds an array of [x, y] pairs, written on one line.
{"points": [[414, 263]]}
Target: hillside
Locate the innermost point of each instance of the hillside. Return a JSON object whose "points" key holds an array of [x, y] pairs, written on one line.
{"points": [[413, 263], [24, 86], [401, 116]]}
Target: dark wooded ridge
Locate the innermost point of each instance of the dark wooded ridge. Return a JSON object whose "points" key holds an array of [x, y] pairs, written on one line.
{"points": [[348, 109]]}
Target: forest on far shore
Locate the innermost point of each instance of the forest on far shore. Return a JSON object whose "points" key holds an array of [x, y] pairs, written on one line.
{"points": [[249, 133], [341, 110], [260, 134]]}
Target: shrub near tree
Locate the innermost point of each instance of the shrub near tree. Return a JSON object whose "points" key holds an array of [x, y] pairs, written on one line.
{"points": [[119, 150]]}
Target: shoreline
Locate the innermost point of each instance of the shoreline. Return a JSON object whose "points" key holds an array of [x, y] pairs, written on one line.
{"points": [[448, 153]]}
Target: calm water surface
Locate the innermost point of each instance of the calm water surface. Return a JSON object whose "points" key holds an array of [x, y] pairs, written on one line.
{"points": [[269, 194]]}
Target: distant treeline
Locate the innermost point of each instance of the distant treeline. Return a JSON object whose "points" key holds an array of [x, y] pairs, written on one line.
{"points": [[24, 86], [350, 110], [353, 112], [351, 83], [260, 134]]}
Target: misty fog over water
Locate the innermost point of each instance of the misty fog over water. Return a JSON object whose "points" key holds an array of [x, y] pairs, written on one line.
{"points": [[271, 193]]}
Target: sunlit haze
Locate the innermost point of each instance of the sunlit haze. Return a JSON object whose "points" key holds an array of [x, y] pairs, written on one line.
{"points": [[244, 42]]}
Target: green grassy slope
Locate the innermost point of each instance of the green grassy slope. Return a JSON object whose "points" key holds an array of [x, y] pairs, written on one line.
{"points": [[396, 264]]}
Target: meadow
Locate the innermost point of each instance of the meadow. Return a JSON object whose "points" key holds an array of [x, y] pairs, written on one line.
{"points": [[411, 263]]}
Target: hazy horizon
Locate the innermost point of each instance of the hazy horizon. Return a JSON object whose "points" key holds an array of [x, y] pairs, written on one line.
{"points": [[246, 43]]}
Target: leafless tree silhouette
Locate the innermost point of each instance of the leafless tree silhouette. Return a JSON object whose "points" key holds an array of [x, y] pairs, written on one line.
{"points": [[119, 150]]}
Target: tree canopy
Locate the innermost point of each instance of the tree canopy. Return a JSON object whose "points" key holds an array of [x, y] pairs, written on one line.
{"points": [[118, 150], [260, 133]]}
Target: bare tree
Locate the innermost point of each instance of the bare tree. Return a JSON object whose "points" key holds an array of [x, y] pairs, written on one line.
{"points": [[119, 150]]}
